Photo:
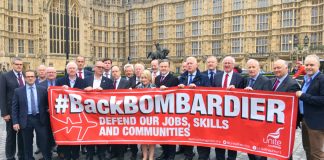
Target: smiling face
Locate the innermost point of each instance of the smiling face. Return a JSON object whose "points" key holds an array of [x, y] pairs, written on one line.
{"points": [[211, 63], [17, 65], [280, 68], [30, 77], [228, 64], [311, 65], [191, 64], [253, 68]]}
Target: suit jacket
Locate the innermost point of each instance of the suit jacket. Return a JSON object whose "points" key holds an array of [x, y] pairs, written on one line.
{"points": [[106, 83], [169, 81], [44, 84], [132, 82], [87, 74], [199, 80], [20, 107], [123, 84], [260, 83], [237, 80], [8, 84], [287, 85], [313, 102], [206, 72], [79, 83]]}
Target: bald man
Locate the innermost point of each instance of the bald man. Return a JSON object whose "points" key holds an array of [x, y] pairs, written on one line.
{"points": [[41, 74], [311, 106]]}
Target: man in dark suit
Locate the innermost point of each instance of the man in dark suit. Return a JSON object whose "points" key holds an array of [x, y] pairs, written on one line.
{"points": [[8, 83], [129, 71], [97, 82], [70, 81], [81, 72], [311, 106], [192, 78], [227, 79], [118, 150], [255, 81], [107, 69], [135, 80], [282, 81], [29, 113], [41, 74], [164, 80], [212, 68]]}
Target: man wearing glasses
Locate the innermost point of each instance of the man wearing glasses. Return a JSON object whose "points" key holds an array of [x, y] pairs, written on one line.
{"points": [[8, 83]]}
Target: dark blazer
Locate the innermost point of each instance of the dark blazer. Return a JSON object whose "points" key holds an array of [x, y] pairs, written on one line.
{"points": [[169, 81], [123, 84], [288, 85], [106, 83], [206, 72], [8, 84], [20, 108], [199, 80], [237, 80], [260, 83], [313, 101], [132, 82], [45, 84], [87, 74], [79, 83]]}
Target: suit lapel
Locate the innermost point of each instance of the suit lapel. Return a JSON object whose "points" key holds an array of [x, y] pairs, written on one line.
{"points": [[13, 76], [312, 83], [102, 83], [282, 86]]}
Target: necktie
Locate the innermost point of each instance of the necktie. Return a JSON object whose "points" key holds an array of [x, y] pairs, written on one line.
{"points": [[190, 79], [20, 80], [162, 78], [115, 82], [32, 99], [51, 83], [251, 82], [211, 78], [275, 85], [304, 90], [80, 74], [225, 81]]}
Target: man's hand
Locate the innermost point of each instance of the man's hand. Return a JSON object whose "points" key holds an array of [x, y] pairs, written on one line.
{"points": [[88, 89], [248, 88], [230, 87], [6, 118], [163, 87], [16, 127], [299, 93], [181, 86], [65, 87], [192, 86]]}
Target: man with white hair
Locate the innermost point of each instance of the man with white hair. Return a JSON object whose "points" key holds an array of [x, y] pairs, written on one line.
{"points": [[311, 106], [129, 71], [41, 74], [70, 81], [135, 80], [227, 79]]}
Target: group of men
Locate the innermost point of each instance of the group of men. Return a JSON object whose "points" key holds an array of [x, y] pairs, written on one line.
{"points": [[24, 105]]}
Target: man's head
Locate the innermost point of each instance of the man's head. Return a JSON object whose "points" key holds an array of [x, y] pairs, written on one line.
{"points": [[51, 73], [312, 64], [280, 68], [41, 71], [108, 63], [71, 68], [298, 64], [80, 61], [164, 67], [155, 65], [211, 62], [30, 77], [129, 70], [253, 67], [184, 67], [17, 64], [139, 68], [192, 64], [115, 72], [98, 70], [228, 64]]}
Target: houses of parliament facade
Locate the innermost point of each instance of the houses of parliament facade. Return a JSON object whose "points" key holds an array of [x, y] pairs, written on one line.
{"points": [[126, 30]]}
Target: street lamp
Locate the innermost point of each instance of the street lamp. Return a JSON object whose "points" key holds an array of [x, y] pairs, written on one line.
{"points": [[305, 48]]}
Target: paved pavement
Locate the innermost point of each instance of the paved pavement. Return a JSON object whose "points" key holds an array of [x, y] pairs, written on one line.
{"points": [[298, 154]]}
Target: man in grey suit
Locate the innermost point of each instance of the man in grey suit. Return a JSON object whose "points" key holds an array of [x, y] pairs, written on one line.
{"points": [[8, 83], [255, 81], [119, 82]]}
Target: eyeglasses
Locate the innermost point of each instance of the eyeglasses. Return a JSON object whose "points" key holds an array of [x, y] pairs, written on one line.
{"points": [[100, 67], [30, 76], [18, 64]]}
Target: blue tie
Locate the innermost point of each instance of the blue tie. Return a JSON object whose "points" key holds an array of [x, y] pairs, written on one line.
{"points": [[304, 89], [251, 82], [32, 99], [190, 79], [211, 78]]}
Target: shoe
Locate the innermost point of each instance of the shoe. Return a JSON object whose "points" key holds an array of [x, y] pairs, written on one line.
{"points": [[170, 158], [101, 157], [89, 157], [162, 157], [37, 151], [188, 158], [83, 150], [180, 151], [133, 158]]}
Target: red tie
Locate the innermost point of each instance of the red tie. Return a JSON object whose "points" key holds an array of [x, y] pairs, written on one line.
{"points": [[275, 85], [225, 81], [115, 84], [80, 74]]}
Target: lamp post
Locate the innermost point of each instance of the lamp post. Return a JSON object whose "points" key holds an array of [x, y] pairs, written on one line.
{"points": [[67, 34], [305, 48]]}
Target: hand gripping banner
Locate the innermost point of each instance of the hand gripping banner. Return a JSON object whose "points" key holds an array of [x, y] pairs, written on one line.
{"points": [[256, 122]]}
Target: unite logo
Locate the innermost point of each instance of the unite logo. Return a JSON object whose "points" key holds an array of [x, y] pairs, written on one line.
{"points": [[273, 139]]}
